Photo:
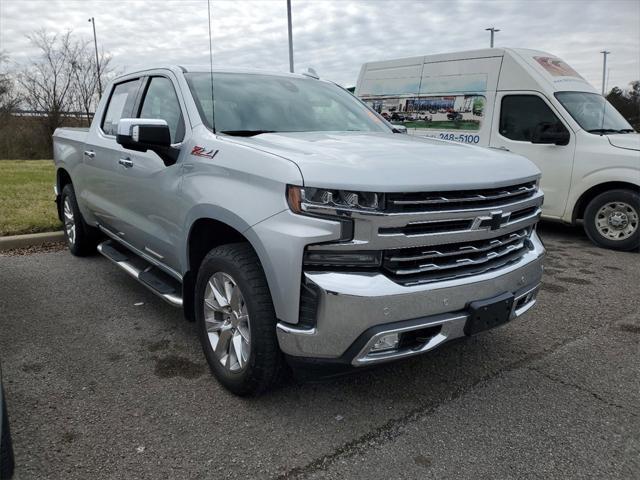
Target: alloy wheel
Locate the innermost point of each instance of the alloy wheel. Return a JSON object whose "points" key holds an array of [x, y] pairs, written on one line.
{"points": [[227, 321], [69, 221]]}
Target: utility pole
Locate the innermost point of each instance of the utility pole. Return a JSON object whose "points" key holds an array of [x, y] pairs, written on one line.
{"points": [[95, 43], [493, 30], [290, 36], [604, 70]]}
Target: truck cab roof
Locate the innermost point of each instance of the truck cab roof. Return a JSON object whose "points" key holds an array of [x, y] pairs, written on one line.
{"points": [[202, 68]]}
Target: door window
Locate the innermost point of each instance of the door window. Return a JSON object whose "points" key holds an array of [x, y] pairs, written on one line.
{"points": [[120, 105], [521, 114], [161, 101]]}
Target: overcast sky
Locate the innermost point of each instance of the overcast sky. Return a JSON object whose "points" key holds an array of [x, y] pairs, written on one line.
{"points": [[335, 37]]}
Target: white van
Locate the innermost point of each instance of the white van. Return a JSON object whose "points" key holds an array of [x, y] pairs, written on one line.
{"points": [[531, 103]]}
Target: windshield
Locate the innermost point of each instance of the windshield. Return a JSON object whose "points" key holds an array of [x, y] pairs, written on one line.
{"points": [[593, 112], [250, 104]]}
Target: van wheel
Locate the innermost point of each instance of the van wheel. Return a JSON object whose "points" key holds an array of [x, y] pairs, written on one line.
{"points": [[236, 320], [612, 220], [80, 237]]}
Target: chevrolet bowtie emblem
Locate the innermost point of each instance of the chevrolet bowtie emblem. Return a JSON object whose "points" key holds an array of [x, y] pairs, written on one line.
{"points": [[493, 222]]}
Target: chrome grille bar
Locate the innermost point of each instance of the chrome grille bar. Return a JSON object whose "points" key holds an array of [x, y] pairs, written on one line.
{"points": [[462, 262], [447, 200], [491, 244], [419, 265]]}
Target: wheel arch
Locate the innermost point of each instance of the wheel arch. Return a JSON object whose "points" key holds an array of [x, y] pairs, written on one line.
{"points": [[207, 231], [594, 191], [62, 179]]}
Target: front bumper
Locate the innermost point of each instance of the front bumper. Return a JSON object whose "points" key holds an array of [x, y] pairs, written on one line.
{"points": [[356, 308]]}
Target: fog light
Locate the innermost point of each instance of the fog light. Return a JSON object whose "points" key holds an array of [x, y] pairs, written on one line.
{"points": [[389, 341]]}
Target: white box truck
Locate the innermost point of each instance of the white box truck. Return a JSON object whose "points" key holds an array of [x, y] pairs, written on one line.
{"points": [[528, 102]]}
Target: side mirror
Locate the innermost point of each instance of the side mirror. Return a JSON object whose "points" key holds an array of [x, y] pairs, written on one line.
{"points": [[142, 134], [399, 129], [550, 133]]}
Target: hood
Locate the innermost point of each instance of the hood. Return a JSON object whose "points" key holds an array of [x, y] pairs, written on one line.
{"points": [[630, 141], [393, 162]]}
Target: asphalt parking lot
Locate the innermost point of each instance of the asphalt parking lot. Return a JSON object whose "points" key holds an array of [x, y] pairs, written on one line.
{"points": [[104, 380]]}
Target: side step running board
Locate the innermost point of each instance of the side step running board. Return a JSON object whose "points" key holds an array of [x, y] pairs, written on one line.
{"points": [[163, 285]]}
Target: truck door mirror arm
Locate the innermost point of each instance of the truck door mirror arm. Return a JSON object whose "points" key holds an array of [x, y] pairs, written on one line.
{"points": [[550, 133], [142, 134]]}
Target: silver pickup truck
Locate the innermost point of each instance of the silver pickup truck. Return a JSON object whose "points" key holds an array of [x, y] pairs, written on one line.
{"points": [[294, 224]]}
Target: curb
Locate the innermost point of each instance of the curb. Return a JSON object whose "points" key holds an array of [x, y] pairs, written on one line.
{"points": [[29, 240]]}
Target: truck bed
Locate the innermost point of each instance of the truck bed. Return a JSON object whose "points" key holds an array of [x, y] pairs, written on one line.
{"points": [[68, 145]]}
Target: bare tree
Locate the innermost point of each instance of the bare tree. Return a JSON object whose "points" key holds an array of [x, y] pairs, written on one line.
{"points": [[9, 97], [85, 81], [48, 82]]}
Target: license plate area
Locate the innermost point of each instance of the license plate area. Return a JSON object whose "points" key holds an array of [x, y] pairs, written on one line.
{"points": [[489, 313]]}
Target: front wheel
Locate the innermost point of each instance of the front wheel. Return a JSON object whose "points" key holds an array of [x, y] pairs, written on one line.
{"points": [[612, 220], [236, 320]]}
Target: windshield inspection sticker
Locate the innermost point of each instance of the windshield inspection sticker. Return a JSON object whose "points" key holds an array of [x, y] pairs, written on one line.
{"points": [[199, 151]]}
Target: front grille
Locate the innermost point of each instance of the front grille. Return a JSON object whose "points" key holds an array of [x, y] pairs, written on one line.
{"points": [[455, 200], [426, 264], [423, 228]]}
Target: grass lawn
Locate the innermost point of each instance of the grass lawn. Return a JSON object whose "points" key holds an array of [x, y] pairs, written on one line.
{"points": [[26, 197]]}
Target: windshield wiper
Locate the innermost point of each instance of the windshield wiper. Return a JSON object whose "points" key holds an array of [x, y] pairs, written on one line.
{"points": [[246, 133], [626, 130], [602, 130]]}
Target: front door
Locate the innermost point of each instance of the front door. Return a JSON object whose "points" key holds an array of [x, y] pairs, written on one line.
{"points": [[518, 114], [149, 191]]}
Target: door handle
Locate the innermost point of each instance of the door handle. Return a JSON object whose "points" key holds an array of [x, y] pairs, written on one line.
{"points": [[126, 162], [89, 153]]}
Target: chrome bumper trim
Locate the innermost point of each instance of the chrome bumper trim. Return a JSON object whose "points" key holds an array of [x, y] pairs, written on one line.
{"points": [[451, 328], [295, 330]]}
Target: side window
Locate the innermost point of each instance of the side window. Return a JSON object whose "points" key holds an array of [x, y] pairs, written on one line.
{"points": [[520, 114], [161, 101], [120, 105]]}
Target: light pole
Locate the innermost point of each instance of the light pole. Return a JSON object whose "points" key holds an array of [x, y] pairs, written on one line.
{"points": [[95, 43], [604, 70], [493, 30], [290, 36]]}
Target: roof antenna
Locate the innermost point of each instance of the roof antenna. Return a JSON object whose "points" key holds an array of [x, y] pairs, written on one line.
{"points": [[213, 117]]}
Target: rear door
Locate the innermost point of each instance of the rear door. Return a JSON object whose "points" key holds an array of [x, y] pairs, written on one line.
{"points": [[148, 191], [517, 115], [100, 160]]}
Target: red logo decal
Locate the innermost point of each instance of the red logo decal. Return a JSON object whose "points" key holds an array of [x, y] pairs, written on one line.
{"points": [[199, 151]]}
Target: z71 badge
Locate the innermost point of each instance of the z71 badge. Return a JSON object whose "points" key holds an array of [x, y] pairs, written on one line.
{"points": [[199, 151]]}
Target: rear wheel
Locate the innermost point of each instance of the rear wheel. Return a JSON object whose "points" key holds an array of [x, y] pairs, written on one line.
{"points": [[612, 220], [80, 237], [236, 320]]}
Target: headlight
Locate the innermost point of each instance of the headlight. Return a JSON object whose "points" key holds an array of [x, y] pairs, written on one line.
{"points": [[321, 201]]}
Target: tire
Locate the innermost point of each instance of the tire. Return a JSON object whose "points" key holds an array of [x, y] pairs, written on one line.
{"points": [[80, 237], [6, 447], [605, 216], [250, 307]]}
